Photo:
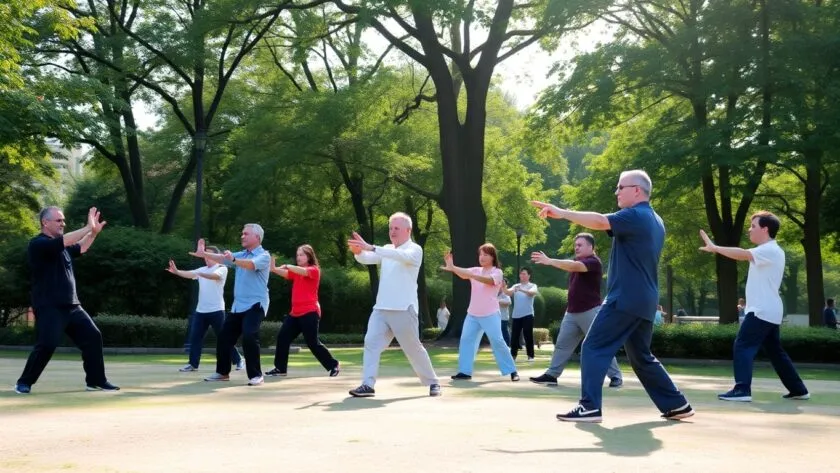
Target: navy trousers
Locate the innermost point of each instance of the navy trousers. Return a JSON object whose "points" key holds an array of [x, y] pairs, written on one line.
{"points": [[754, 334], [610, 330]]}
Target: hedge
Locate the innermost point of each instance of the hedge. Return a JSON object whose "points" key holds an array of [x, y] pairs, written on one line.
{"points": [[714, 342]]}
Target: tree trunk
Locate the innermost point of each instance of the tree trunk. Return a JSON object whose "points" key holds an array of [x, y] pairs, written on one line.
{"points": [[355, 186], [177, 194], [790, 289], [811, 238]]}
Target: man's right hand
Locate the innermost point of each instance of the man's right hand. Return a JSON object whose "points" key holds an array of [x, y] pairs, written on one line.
{"points": [[540, 258], [172, 268]]}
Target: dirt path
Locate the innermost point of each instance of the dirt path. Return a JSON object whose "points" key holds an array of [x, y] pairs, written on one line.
{"points": [[164, 421]]}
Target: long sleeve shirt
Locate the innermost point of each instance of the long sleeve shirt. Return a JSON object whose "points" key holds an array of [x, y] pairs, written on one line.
{"points": [[399, 267]]}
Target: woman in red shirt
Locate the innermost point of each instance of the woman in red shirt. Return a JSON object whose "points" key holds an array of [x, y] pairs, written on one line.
{"points": [[305, 314]]}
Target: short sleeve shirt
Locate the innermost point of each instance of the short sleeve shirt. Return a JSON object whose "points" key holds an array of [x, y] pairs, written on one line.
{"points": [[251, 286], [763, 281], [53, 281], [211, 292], [632, 278], [483, 299], [305, 291], [585, 287]]}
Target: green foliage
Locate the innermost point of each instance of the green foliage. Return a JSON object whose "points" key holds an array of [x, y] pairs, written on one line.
{"points": [[160, 332], [550, 305]]}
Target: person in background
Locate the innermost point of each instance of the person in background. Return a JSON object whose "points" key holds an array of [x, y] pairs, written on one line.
{"points": [[504, 307], [210, 310], [659, 317], [741, 306], [442, 315], [830, 314], [523, 294]]}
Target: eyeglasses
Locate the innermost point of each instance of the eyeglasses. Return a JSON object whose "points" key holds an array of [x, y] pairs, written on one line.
{"points": [[621, 187]]}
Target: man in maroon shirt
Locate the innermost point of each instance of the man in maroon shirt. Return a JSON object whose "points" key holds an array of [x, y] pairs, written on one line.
{"points": [[583, 304]]}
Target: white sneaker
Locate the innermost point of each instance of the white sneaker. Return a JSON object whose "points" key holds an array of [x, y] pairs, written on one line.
{"points": [[530, 360], [217, 377], [241, 365], [255, 381], [188, 367]]}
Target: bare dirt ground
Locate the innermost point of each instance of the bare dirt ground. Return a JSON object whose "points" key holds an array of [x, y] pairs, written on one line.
{"points": [[164, 421]]}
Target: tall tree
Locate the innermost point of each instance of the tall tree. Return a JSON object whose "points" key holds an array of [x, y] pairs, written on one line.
{"points": [[440, 37]]}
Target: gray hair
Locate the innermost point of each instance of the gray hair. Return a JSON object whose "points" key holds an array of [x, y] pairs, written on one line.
{"points": [[639, 178], [257, 229], [45, 213], [401, 215]]}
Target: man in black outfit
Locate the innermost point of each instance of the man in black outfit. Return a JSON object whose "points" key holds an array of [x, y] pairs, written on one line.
{"points": [[55, 303]]}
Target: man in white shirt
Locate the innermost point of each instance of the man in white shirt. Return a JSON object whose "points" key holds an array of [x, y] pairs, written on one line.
{"points": [[210, 310], [395, 311], [764, 311], [504, 306]]}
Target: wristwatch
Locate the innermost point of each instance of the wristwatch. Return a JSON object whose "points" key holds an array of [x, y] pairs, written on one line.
{"points": [[233, 260], [373, 248]]}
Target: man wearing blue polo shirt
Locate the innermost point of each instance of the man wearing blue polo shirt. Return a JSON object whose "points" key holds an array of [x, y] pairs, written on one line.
{"points": [[250, 303], [626, 316]]}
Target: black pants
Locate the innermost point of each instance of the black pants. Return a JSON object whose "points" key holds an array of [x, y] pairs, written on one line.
{"points": [[291, 328], [523, 324], [247, 324], [53, 322]]}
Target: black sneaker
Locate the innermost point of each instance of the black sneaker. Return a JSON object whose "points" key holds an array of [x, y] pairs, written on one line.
{"points": [[276, 372], [616, 382], [545, 379], [735, 395], [23, 388], [461, 376], [679, 413], [334, 372], [581, 414], [434, 390], [796, 397], [106, 386], [363, 391], [514, 376]]}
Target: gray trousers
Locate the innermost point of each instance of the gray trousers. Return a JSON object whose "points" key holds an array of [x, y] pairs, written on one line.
{"points": [[383, 326], [573, 330]]}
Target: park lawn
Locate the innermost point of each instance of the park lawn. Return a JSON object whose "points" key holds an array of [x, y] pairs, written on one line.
{"points": [[445, 360]]}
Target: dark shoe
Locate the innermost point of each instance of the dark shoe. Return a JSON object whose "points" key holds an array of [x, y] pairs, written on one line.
{"points": [[581, 414], [545, 379], [434, 390], [514, 376], [337, 369], [461, 376], [363, 391], [276, 372], [736, 395], [679, 413], [616, 382], [797, 397], [23, 388], [106, 386]]}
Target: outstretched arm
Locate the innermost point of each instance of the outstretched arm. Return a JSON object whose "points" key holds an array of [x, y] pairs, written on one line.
{"points": [[464, 273], [738, 254], [592, 220], [177, 272], [569, 265]]}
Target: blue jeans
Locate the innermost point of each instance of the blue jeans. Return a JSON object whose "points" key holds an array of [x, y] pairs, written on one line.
{"points": [[610, 330], [754, 334], [199, 323], [471, 333], [247, 324]]}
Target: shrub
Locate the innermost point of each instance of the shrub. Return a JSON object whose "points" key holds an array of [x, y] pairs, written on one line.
{"points": [[541, 335], [550, 306], [431, 333]]}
